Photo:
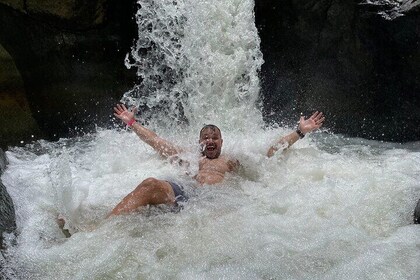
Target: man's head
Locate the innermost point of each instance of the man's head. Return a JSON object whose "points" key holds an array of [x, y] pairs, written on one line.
{"points": [[211, 141]]}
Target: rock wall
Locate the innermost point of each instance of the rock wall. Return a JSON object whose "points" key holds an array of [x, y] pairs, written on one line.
{"points": [[17, 123], [70, 55], [346, 59]]}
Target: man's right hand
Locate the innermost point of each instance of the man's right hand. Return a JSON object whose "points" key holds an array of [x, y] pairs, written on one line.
{"points": [[163, 147], [123, 113]]}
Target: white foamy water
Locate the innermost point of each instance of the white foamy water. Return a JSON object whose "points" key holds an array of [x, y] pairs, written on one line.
{"points": [[329, 208]]}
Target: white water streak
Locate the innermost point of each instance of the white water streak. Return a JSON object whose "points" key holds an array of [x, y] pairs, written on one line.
{"points": [[202, 56]]}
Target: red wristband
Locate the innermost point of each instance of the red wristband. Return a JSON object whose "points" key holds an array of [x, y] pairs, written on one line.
{"points": [[131, 122]]}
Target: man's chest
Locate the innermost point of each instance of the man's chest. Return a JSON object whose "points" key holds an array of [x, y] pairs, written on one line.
{"points": [[219, 165]]}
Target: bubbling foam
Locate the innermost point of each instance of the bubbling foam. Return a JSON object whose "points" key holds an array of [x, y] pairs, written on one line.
{"points": [[311, 213]]}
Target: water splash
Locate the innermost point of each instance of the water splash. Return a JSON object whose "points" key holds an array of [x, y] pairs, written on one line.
{"points": [[199, 61], [158, 57], [392, 9], [312, 213]]}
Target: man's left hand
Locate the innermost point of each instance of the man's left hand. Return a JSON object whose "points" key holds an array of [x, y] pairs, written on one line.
{"points": [[313, 122]]}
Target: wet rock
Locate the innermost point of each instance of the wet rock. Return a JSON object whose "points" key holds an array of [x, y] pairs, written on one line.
{"points": [[7, 211], [3, 161], [417, 213]]}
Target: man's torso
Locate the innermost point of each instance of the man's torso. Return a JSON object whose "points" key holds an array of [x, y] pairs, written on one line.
{"points": [[212, 171]]}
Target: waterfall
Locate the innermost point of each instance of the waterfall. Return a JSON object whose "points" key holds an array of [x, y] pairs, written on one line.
{"points": [[197, 60]]}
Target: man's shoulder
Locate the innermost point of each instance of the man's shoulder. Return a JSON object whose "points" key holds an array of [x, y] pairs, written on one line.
{"points": [[228, 157]]}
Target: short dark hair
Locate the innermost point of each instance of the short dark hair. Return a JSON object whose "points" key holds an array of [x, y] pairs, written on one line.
{"points": [[212, 127]]}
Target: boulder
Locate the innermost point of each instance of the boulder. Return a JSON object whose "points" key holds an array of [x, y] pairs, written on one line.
{"points": [[7, 211]]}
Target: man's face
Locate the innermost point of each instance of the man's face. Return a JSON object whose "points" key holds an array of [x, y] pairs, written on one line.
{"points": [[211, 142]]}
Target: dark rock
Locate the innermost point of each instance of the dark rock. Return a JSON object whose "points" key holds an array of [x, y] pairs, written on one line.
{"points": [[417, 213], [341, 58], [3, 161], [71, 59], [17, 123], [7, 211]]}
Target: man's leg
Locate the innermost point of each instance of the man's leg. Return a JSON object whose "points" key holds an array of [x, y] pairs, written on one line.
{"points": [[151, 191]]}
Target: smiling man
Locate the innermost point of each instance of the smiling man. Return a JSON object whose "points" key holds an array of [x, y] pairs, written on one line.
{"points": [[212, 165]]}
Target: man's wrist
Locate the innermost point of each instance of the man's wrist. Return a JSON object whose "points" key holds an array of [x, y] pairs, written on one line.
{"points": [[131, 122], [300, 133]]}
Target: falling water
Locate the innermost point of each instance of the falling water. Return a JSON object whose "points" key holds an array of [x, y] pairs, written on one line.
{"points": [[198, 60]]}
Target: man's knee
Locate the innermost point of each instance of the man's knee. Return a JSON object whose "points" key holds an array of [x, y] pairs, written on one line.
{"points": [[150, 185], [150, 182], [155, 191]]}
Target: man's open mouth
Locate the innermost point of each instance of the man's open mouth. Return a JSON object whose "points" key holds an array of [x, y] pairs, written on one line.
{"points": [[211, 148]]}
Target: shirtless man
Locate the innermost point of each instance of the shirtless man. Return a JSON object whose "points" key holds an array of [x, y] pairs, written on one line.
{"points": [[212, 165]]}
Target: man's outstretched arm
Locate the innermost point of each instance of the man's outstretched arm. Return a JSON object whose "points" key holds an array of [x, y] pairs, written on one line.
{"points": [[305, 126], [163, 147]]}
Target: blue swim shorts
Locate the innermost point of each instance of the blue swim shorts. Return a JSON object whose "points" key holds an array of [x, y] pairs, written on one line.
{"points": [[180, 195]]}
